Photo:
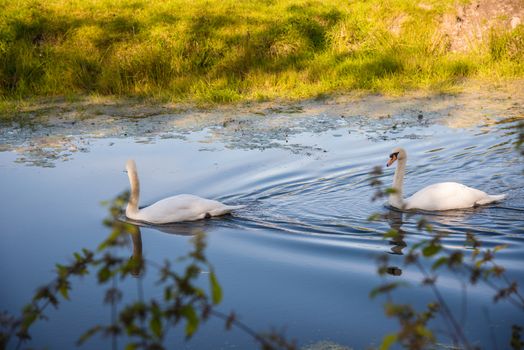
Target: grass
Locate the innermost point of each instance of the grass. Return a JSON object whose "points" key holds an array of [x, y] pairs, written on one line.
{"points": [[225, 51]]}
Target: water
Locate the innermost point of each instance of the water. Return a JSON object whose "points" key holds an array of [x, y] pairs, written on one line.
{"points": [[301, 256]]}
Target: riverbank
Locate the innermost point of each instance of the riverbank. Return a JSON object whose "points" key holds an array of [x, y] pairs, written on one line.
{"points": [[209, 52], [43, 132]]}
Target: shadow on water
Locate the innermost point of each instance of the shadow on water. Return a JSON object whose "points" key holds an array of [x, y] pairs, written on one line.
{"points": [[189, 228]]}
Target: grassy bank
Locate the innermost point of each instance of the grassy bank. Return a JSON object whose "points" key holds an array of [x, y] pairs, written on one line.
{"points": [[224, 50]]}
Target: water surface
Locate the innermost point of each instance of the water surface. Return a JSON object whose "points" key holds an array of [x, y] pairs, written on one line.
{"points": [[301, 256]]}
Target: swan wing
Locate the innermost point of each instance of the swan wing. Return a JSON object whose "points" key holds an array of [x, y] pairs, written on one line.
{"points": [[183, 207], [445, 196]]}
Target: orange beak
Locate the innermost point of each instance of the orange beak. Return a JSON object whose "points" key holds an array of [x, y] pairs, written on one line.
{"points": [[391, 160]]}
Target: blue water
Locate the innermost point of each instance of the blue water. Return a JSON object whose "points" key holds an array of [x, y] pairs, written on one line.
{"points": [[301, 256]]}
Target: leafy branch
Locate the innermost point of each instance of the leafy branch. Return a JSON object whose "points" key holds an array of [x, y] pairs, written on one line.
{"points": [[415, 332], [145, 324]]}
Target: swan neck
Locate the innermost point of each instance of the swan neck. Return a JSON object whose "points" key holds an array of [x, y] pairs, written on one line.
{"points": [[395, 199], [132, 206]]}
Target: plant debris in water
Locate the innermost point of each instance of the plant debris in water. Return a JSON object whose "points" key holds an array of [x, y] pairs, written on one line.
{"points": [[43, 135]]}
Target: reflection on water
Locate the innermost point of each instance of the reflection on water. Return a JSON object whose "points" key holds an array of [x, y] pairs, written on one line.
{"points": [[301, 254], [189, 228], [394, 219], [181, 229], [137, 257], [57, 134]]}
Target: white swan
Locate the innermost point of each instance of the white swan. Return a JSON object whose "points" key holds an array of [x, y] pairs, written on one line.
{"points": [[440, 196], [183, 207]]}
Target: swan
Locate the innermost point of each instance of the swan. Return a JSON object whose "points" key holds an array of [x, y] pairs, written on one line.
{"points": [[182, 207], [439, 196]]}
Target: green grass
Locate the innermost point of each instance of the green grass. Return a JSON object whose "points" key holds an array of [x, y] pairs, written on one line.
{"points": [[226, 51]]}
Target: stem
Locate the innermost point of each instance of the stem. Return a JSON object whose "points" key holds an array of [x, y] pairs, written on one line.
{"points": [[509, 298], [113, 315], [457, 329], [517, 294], [242, 326]]}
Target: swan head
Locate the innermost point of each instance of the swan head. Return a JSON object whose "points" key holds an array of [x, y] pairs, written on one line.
{"points": [[130, 166], [398, 153]]}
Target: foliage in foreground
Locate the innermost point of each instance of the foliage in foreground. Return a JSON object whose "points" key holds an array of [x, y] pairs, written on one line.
{"points": [[472, 265], [222, 51], [143, 324]]}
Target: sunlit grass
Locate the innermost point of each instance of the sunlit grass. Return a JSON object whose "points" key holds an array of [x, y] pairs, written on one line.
{"points": [[228, 51]]}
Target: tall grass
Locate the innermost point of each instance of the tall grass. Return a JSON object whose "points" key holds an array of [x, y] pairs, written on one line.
{"points": [[225, 50]]}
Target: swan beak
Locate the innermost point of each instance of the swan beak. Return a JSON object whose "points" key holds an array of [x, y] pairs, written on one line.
{"points": [[391, 160]]}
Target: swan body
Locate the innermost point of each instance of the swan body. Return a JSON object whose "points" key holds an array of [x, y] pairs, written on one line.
{"points": [[439, 196], [182, 207], [449, 195]]}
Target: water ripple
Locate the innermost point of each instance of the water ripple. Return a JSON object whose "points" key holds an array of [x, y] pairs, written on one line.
{"points": [[334, 200]]}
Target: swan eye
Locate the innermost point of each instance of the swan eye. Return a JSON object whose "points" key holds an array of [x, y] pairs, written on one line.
{"points": [[393, 155]]}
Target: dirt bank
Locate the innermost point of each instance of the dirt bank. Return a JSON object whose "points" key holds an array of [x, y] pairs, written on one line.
{"points": [[472, 23]]}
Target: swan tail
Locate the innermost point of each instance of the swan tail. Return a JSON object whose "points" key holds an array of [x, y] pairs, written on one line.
{"points": [[490, 199], [235, 207], [225, 209]]}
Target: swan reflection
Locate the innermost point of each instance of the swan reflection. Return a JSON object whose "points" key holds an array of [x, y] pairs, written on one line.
{"points": [[394, 219], [454, 218], [137, 259], [180, 229]]}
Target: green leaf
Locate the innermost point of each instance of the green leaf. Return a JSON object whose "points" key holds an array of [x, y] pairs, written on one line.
{"points": [[216, 290], [500, 247], [168, 293], [88, 334], [131, 346], [87, 253], [156, 320], [374, 217], [479, 263], [384, 288], [424, 332], [61, 269], [104, 274], [392, 233], [110, 240], [29, 319], [387, 341], [188, 312], [415, 246], [431, 250], [156, 326], [439, 262], [64, 290], [103, 245]]}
